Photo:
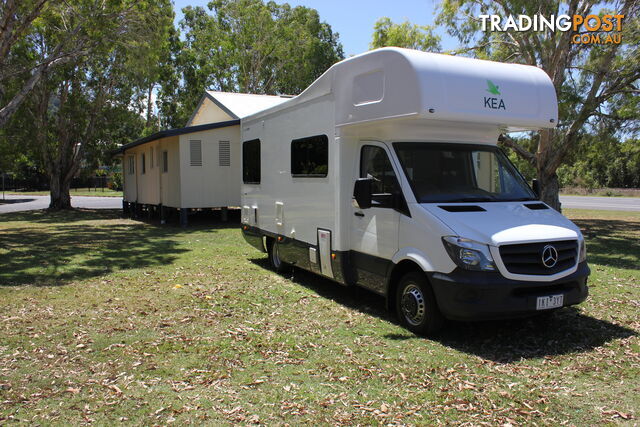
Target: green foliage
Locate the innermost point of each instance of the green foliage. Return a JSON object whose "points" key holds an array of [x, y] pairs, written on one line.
{"points": [[245, 46], [80, 109], [407, 35], [603, 161], [117, 183]]}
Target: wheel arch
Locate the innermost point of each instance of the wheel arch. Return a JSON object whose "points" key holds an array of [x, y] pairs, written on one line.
{"points": [[398, 270]]}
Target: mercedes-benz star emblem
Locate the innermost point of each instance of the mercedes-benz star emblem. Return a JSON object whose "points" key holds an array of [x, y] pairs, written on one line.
{"points": [[549, 256]]}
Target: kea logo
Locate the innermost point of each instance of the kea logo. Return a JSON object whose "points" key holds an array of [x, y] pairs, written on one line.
{"points": [[493, 102], [492, 88]]}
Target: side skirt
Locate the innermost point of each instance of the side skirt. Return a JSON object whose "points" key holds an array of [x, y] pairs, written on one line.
{"points": [[349, 267]]}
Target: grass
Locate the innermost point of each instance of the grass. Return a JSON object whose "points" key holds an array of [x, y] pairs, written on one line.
{"points": [[105, 319], [106, 192]]}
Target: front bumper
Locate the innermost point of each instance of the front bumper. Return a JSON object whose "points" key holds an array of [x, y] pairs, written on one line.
{"points": [[474, 295]]}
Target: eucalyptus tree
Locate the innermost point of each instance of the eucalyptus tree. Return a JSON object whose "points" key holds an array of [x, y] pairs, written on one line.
{"points": [[405, 34], [246, 46], [84, 105]]}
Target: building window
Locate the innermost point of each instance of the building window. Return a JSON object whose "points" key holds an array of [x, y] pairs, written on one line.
{"points": [[132, 165], [165, 161], [143, 164], [310, 157], [195, 150], [224, 153], [251, 161]]}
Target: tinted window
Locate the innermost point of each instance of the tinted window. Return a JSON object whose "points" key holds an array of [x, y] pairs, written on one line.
{"points": [[251, 162], [375, 164], [165, 161], [310, 156]]}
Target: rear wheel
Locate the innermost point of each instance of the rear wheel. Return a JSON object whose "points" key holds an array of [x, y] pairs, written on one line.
{"points": [[416, 305], [274, 257]]}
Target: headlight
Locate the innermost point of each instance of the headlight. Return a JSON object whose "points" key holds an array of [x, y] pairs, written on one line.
{"points": [[582, 256], [469, 254]]}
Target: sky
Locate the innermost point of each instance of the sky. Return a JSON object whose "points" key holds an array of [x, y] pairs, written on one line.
{"points": [[354, 19]]}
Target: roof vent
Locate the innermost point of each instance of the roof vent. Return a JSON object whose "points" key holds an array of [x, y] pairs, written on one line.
{"points": [[536, 206]]}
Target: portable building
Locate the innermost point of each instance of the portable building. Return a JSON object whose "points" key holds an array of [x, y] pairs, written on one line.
{"points": [[195, 167]]}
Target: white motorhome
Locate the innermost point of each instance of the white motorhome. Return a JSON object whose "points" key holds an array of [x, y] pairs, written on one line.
{"points": [[385, 173]]}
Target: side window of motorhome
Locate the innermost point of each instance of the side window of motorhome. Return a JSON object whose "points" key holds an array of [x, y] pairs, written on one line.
{"points": [[144, 165], [132, 165], [310, 157], [374, 163], [251, 161]]}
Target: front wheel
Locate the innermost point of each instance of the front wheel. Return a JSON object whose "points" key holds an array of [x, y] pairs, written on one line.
{"points": [[416, 305], [274, 257]]}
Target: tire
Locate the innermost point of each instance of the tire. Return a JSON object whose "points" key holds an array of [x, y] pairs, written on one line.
{"points": [[276, 263], [416, 305]]}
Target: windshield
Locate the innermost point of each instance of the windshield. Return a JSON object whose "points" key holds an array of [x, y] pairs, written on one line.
{"points": [[460, 173]]}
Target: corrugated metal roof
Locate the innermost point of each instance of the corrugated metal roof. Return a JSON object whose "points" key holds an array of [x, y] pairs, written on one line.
{"points": [[243, 104]]}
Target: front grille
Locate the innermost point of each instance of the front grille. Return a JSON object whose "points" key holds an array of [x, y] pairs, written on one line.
{"points": [[526, 258]]}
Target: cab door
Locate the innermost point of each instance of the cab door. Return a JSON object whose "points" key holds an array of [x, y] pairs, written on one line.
{"points": [[374, 231]]}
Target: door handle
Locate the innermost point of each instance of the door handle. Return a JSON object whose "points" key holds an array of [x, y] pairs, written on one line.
{"points": [[360, 214]]}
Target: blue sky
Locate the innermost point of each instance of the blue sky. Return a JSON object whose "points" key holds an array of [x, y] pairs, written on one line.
{"points": [[354, 19]]}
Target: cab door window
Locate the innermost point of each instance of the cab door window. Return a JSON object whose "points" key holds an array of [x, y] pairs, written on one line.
{"points": [[375, 164]]}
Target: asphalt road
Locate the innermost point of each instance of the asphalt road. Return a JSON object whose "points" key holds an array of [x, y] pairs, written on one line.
{"points": [[601, 203], [19, 203], [25, 203]]}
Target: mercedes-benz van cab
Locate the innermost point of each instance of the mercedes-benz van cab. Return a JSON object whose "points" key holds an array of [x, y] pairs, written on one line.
{"points": [[385, 173]]}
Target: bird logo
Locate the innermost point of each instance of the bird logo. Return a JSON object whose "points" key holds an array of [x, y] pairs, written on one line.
{"points": [[492, 88]]}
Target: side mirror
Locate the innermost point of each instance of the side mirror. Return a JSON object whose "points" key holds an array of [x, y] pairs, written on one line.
{"points": [[362, 192], [535, 185]]}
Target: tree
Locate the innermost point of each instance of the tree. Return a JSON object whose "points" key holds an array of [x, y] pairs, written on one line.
{"points": [[80, 108], [588, 78], [407, 35], [247, 46]]}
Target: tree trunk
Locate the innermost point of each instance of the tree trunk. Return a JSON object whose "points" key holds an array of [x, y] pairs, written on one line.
{"points": [[149, 105], [59, 190], [549, 189]]}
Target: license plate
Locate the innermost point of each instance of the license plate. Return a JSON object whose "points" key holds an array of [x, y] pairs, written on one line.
{"points": [[552, 301]]}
